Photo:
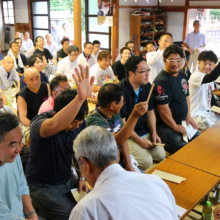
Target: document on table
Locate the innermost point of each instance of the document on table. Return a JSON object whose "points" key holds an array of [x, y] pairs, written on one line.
{"points": [[180, 210], [215, 109], [189, 130], [169, 176], [78, 196]]}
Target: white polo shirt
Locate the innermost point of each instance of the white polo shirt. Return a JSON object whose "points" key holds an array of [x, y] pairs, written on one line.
{"points": [[27, 44], [66, 67], [155, 63], [102, 76], [52, 47], [200, 95], [5, 82], [82, 59]]}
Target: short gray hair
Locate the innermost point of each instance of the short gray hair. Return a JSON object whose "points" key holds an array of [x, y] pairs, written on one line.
{"points": [[97, 145], [72, 48]]}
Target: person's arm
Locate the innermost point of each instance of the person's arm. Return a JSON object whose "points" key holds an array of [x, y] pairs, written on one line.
{"points": [[22, 109], [155, 57], [151, 121], [64, 117], [59, 58], [166, 116], [126, 157], [54, 62], [216, 212], [212, 76], [3, 97], [28, 207], [18, 86], [189, 119], [116, 80], [188, 48]]}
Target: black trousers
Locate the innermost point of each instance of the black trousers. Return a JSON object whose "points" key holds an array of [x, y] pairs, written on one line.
{"points": [[54, 202]]}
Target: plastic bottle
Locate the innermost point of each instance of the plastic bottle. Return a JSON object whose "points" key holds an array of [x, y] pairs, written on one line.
{"points": [[9, 101], [195, 52], [207, 211]]}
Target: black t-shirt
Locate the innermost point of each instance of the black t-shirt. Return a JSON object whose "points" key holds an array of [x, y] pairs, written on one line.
{"points": [[50, 158], [119, 69], [173, 91], [46, 52], [24, 61], [141, 127], [43, 78], [61, 54], [34, 100]]}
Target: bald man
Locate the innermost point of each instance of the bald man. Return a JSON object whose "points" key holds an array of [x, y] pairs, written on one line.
{"points": [[50, 44], [9, 79], [30, 98], [17, 34]]}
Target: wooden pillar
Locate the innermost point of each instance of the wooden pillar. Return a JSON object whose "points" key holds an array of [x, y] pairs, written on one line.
{"points": [[77, 24], [115, 30]]}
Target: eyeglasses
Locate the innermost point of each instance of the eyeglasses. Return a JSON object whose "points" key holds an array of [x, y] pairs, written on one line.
{"points": [[74, 55], [77, 163], [144, 71], [174, 61], [90, 48]]}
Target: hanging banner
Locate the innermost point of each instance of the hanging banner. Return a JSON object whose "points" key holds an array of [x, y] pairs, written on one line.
{"points": [[105, 12]]}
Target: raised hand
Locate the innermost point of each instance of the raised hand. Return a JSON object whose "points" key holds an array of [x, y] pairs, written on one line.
{"points": [[140, 109], [84, 85]]}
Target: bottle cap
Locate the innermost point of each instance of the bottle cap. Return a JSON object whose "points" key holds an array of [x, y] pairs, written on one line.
{"points": [[208, 203]]}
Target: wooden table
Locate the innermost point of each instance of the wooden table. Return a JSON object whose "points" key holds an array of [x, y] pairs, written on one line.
{"points": [[91, 106], [203, 152], [196, 186]]}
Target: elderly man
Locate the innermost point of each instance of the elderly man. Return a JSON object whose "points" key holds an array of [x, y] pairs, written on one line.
{"points": [[58, 84], [35, 90], [50, 44], [17, 34], [15, 202], [27, 43], [8, 78], [114, 188]]}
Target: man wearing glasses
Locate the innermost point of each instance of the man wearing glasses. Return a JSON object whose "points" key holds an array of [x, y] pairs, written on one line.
{"points": [[86, 58], [67, 65], [143, 140], [58, 84], [171, 94]]}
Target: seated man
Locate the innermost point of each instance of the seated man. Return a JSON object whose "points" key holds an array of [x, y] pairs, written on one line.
{"points": [[19, 41], [130, 45], [52, 136], [106, 114], [62, 53], [58, 84], [27, 43], [144, 138], [30, 98], [15, 202], [118, 67], [67, 65], [201, 85], [134, 195], [102, 71], [96, 47], [171, 95], [47, 69], [86, 58], [155, 59], [186, 68], [50, 44], [40, 49], [9, 78], [20, 60], [35, 61]]}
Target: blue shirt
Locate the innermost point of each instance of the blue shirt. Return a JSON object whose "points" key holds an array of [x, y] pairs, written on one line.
{"points": [[195, 40], [13, 185], [137, 94], [43, 78]]}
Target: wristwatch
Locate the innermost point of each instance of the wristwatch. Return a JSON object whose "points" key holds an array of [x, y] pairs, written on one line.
{"points": [[81, 178]]}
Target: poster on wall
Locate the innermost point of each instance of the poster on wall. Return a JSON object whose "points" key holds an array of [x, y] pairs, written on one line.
{"points": [[105, 12]]}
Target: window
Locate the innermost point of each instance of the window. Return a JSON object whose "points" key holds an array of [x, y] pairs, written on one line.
{"points": [[8, 12], [95, 31]]}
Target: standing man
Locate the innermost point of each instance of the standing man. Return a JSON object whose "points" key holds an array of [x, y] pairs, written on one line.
{"points": [[54, 32], [86, 58], [52, 136], [15, 201], [40, 49], [155, 59], [144, 138], [130, 45], [27, 43], [50, 44], [195, 41], [171, 94], [96, 47]]}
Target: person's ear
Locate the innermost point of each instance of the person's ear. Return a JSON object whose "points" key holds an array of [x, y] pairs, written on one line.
{"points": [[130, 73], [164, 60], [87, 165], [111, 105], [54, 94], [25, 80], [118, 156]]}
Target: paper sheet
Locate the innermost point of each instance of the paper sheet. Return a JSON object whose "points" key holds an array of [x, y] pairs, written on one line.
{"points": [[189, 130], [180, 210], [169, 176], [76, 194], [215, 109]]}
